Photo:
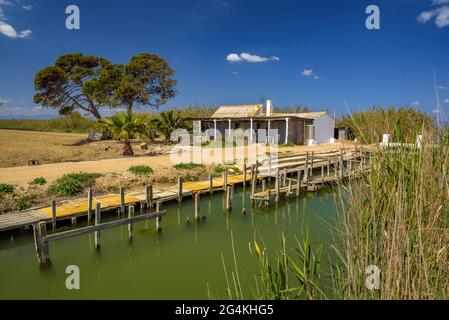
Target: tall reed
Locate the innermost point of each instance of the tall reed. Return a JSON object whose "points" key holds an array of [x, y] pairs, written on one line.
{"points": [[397, 220]]}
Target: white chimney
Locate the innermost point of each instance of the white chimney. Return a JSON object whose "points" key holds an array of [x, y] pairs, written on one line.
{"points": [[269, 108]]}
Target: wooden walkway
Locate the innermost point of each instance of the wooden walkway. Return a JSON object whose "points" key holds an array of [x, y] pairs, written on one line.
{"points": [[333, 165]]}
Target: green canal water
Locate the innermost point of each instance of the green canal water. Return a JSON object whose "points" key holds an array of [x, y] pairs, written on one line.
{"points": [[180, 263]]}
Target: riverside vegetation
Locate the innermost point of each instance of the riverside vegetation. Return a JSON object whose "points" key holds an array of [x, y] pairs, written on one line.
{"points": [[396, 218]]}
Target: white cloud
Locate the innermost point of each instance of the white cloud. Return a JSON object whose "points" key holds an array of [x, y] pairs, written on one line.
{"points": [[27, 7], [233, 57], [310, 73], [307, 72], [9, 31], [437, 2], [446, 101], [416, 103], [441, 16], [443, 88], [251, 58]]}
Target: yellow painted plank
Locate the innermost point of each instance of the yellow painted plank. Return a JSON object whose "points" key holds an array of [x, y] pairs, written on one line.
{"points": [[80, 207]]}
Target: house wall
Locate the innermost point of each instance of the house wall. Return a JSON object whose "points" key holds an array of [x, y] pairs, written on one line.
{"points": [[324, 129]]}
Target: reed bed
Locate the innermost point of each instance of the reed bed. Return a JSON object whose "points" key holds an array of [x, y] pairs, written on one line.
{"points": [[397, 220]]}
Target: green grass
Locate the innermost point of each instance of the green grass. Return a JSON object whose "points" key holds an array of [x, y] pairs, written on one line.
{"points": [[188, 166], [71, 123], [73, 184], [22, 203], [39, 181], [141, 170], [220, 169], [6, 188]]}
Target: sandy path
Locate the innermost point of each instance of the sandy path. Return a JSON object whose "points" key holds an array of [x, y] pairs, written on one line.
{"points": [[23, 175]]}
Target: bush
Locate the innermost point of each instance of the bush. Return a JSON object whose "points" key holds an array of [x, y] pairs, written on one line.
{"points": [[39, 181], [219, 169], [22, 203], [73, 183], [188, 166], [141, 170], [6, 188]]}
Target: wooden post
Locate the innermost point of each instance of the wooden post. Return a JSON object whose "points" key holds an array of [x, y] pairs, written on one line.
{"points": [[298, 183], [225, 180], [256, 169], [284, 178], [41, 245], [179, 189], [53, 214], [89, 205], [97, 222], [197, 206], [341, 167], [149, 196], [277, 183], [306, 168], [253, 180], [264, 185], [158, 219], [322, 174], [228, 198], [328, 168], [122, 201], [311, 166], [244, 177], [269, 164], [289, 187], [211, 184], [130, 226]]}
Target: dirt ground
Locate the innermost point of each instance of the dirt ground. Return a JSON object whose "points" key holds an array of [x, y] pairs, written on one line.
{"points": [[61, 153]]}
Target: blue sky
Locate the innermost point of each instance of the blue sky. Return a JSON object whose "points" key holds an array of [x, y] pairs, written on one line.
{"points": [[311, 52]]}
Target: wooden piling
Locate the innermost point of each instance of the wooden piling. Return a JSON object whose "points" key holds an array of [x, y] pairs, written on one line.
{"points": [[41, 245], [211, 184], [225, 180], [244, 177], [158, 219], [298, 183], [122, 201], [149, 196], [97, 222], [179, 189], [306, 168], [264, 185], [256, 169], [312, 163], [53, 214], [328, 168], [197, 206], [253, 179], [277, 184], [130, 226], [289, 187], [89, 205], [322, 174], [284, 177], [228, 198]]}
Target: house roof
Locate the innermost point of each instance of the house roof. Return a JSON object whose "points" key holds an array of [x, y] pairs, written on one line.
{"points": [[303, 115], [243, 111]]}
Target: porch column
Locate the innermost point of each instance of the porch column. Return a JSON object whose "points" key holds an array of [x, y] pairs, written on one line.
{"points": [[268, 133], [251, 130], [215, 130], [230, 128], [286, 130]]}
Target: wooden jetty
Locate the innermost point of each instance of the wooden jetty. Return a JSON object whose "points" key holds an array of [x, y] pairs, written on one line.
{"points": [[292, 173]]}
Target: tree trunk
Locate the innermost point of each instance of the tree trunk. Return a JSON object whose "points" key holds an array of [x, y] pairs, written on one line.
{"points": [[95, 113], [127, 148]]}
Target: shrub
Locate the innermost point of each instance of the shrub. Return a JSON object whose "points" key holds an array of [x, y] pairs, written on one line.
{"points": [[141, 170], [73, 183], [39, 181], [219, 169], [6, 188], [22, 203], [188, 166]]}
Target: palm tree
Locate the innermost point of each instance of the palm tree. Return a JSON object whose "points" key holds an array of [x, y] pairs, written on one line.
{"points": [[166, 122], [125, 125]]}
